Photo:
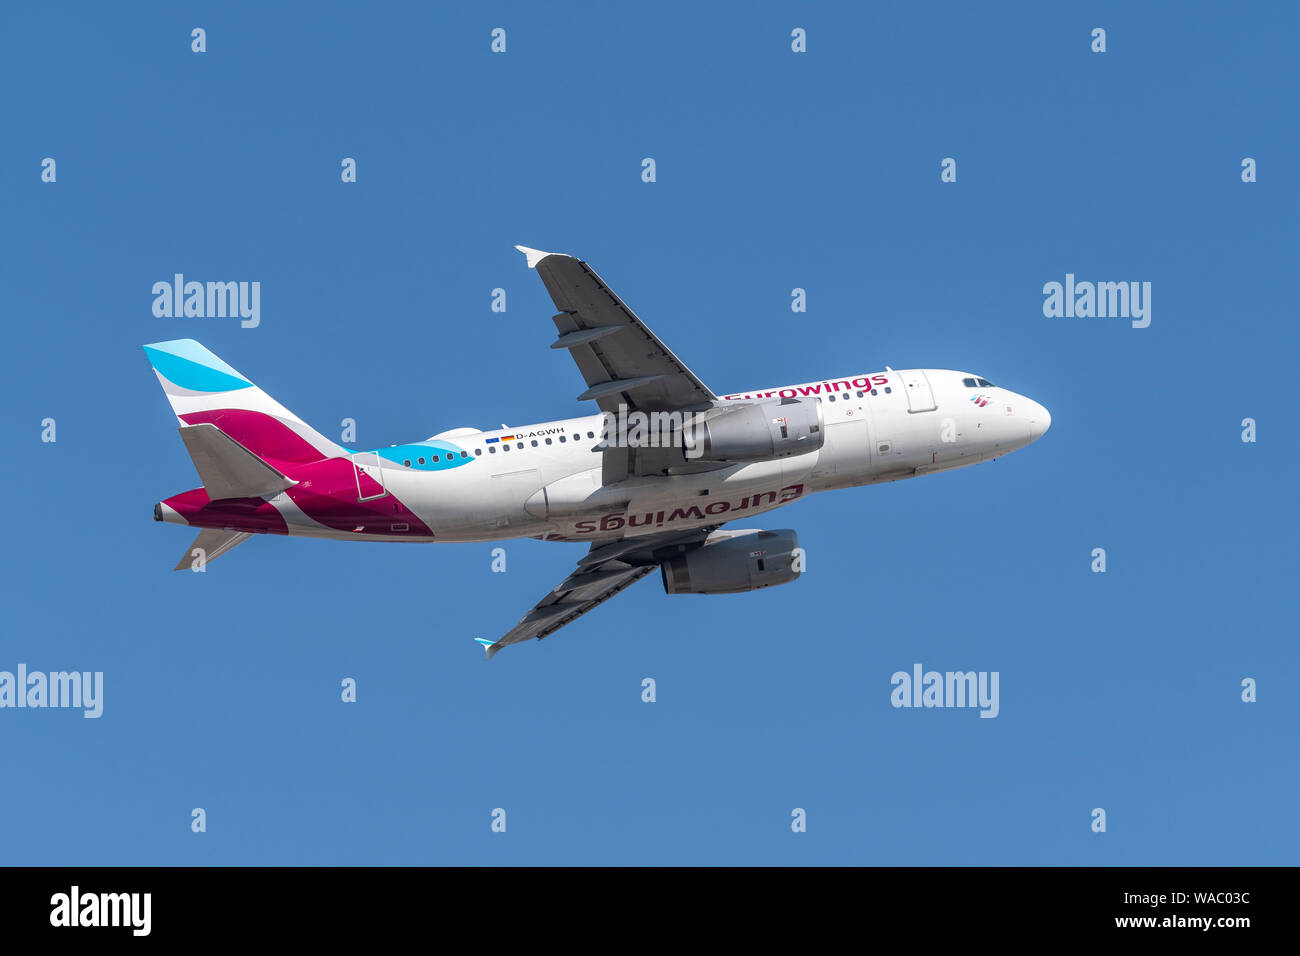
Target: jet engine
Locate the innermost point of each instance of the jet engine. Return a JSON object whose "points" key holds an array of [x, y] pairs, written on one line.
{"points": [[733, 561], [758, 432]]}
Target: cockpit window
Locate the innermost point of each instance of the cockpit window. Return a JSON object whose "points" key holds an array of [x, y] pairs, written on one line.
{"points": [[985, 383], [970, 382]]}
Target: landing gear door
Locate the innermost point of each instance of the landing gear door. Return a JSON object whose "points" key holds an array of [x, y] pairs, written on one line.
{"points": [[920, 398], [370, 475]]}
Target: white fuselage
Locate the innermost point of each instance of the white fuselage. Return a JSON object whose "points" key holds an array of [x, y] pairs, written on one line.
{"points": [[546, 480]]}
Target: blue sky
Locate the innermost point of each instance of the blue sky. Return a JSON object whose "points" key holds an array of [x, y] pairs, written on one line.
{"points": [[775, 170]]}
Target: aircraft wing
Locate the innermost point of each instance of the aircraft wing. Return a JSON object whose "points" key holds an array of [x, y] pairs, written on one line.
{"points": [[621, 360], [606, 570]]}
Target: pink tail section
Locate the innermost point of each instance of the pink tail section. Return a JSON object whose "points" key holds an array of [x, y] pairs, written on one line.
{"points": [[326, 490], [203, 389]]}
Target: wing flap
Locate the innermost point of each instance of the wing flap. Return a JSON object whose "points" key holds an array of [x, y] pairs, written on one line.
{"points": [[606, 570], [624, 364], [611, 346], [561, 607]]}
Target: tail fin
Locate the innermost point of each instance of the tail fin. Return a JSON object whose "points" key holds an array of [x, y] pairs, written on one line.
{"points": [[203, 389]]}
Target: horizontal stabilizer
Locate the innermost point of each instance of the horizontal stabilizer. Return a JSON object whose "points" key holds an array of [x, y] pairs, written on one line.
{"points": [[228, 469], [213, 544]]}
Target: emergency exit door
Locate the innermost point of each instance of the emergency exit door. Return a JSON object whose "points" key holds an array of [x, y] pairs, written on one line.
{"points": [[920, 398], [370, 475]]}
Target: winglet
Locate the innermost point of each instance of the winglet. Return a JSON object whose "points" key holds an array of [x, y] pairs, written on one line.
{"points": [[532, 256], [488, 646]]}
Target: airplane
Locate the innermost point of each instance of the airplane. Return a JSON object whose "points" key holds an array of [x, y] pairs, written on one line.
{"points": [[648, 483]]}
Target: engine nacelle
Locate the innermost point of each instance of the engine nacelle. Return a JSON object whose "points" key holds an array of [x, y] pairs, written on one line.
{"points": [[758, 432], [733, 561]]}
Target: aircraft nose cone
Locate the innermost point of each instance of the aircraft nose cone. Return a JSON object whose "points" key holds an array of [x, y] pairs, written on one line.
{"points": [[1040, 419]]}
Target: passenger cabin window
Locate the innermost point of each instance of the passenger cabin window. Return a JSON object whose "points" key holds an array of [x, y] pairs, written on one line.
{"points": [[435, 458], [407, 463], [478, 451]]}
